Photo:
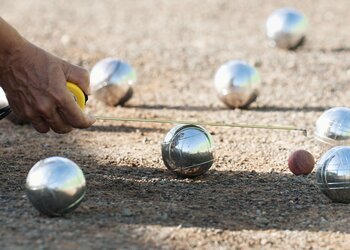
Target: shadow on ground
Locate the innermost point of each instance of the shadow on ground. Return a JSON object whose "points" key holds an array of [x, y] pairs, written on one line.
{"points": [[125, 196], [252, 108], [288, 109], [176, 107], [342, 49], [225, 200], [22, 227]]}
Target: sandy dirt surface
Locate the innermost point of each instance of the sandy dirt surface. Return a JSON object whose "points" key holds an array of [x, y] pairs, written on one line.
{"points": [[248, 199]]}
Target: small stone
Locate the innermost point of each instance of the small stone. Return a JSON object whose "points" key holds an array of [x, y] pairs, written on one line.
{"points": [[127, 212]]}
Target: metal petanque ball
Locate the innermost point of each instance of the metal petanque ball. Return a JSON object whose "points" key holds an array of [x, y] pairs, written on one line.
{"points": [[3, 99], [188, 150], [237, 84], [333, 174], [55, 186], [333, 126], [286, 28], [111, 81]]}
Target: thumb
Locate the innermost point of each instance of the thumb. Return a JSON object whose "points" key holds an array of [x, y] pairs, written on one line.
{"points": [[78, 76]]}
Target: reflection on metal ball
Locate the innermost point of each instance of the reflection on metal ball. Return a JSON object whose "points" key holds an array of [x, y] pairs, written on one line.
{"points": [[333, 126], [286, 28], [111, 81], [55, 186], [333, 174], [237, 84], [3, 99], [188, 150]]}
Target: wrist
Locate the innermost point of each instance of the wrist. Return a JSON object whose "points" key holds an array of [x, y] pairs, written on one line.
{"points": [[11, 43]]}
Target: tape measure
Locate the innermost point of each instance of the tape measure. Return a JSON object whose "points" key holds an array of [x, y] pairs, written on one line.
{"points": [[79, 96]]}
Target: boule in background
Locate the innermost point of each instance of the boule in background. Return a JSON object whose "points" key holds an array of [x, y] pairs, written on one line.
{"points": [[237, 84], [286, 28], [333, 174], [333, 126], [188, 150], [55, 186], [111, 81]]}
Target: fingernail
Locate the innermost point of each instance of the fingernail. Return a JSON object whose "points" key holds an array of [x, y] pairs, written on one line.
{"points": [[92, 118]]}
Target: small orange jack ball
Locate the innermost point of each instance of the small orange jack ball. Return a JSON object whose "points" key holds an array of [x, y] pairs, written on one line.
{"points": [[301, 162]]}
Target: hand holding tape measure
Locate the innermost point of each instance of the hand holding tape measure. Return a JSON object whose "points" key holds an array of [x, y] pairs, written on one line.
{"points": [[80, 98], [62, 118]]}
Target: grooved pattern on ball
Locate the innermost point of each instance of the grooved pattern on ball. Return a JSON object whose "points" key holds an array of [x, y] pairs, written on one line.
{"points": [[333, 126], [333, 174], [188, 150]]}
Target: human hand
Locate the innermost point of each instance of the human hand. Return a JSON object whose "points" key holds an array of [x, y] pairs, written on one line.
{"points": [[35, 84]]}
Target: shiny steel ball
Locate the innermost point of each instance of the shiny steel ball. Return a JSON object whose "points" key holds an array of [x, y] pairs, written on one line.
{"points": [[111, 81], [333, 174], [55, 186], [237, 84], [188, 150], [286, 28], [333, 126]]}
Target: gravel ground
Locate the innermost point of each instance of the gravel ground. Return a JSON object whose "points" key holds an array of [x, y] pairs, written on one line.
{"points": [[248, 199]]}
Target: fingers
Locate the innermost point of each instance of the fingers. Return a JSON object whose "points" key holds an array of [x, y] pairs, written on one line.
{"points": [[43, 115], [64, 116], [57, 123], [26, 113], [67, 112], [72, 114], [68, 108], [57, 111], [78, 76], [41, 96], [62, 113], [40, 125]]}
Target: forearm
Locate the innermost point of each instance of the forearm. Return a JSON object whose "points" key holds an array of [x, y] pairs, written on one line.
{"points": [[10, 41]]}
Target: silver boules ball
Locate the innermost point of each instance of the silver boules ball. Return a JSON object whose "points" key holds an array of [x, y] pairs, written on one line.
{"points": [[333, 174], [188, 150], [55, 186], [237, 84], [111, 81], [3, 99], [286, 28], [333, 126], [11, 117]]}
